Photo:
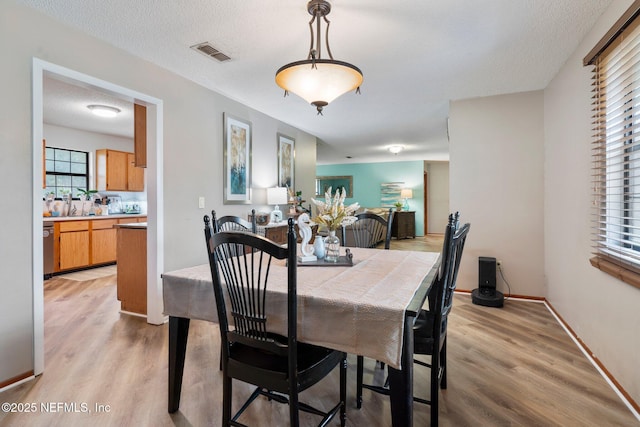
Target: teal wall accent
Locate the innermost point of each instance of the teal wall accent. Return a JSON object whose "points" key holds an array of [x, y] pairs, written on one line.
{"points": [[367, 178]]}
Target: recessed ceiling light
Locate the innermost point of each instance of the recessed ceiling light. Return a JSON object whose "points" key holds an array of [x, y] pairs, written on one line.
{"points": [[103, 110], [395, 149]]}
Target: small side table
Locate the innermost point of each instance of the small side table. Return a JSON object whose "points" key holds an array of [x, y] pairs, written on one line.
{"points": [[403, 225], [274, 231]]}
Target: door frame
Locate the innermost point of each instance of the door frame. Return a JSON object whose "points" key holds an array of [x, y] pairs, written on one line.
{"points": [[155, 214]]}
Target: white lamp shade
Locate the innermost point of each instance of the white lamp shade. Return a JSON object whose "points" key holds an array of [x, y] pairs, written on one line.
{"points": [[324, 83], [277, 196], [406, 193]]}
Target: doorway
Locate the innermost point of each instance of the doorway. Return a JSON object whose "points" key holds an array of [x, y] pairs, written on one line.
{"points": [[155, 252]]}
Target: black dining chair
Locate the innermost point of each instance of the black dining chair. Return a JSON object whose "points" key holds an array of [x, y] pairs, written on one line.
{"points": [[234, 223], [278, 365], [368, 231], [430, 327]]}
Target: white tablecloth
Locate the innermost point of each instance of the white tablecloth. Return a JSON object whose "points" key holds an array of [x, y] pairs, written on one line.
{"points": [[358, 309]]}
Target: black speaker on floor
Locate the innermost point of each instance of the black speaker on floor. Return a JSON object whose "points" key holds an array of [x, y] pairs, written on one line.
{"points": [[486, 294]]}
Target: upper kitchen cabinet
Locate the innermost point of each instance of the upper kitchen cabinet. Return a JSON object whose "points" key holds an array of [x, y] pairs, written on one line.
{"points": [[116, 171], [135, 174], [140, 135]]}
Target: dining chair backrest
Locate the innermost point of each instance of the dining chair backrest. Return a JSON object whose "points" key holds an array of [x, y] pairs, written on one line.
{"points": [[234, 223], [369, 230], [245, 276], [252, 350], [453, 246]]}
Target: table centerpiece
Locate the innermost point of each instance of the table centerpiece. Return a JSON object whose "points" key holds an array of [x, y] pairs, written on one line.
{"points": [[333, 214]]}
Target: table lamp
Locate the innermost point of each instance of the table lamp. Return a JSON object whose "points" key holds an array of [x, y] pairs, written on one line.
{"points": [[277, 196], [406, 194]]}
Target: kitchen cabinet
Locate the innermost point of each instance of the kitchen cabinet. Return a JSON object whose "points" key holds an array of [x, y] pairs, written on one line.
{"points": [[404, 224], [103, 241], [71, 245], [88, 242], [140, 135], [135, 175], [116, 171], [132, 267]]}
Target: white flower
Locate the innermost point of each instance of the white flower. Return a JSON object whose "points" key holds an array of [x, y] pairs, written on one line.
{"points": [[332, 213]]}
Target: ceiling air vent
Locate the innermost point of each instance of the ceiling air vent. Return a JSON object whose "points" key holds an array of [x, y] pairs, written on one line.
{"points": [[210, 51]]}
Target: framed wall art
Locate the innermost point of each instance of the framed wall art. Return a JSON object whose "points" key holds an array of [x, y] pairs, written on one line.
{"points": [[237, 160], [323, 183], [390, 193], [286, 161]]}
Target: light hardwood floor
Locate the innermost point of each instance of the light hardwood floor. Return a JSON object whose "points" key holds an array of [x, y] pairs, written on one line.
{"points": [[513, 366]]}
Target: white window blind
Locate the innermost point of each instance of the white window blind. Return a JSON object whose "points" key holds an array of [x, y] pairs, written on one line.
{"points": [[616, 151]]}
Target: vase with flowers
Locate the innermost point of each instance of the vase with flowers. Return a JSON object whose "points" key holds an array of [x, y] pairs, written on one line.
{"points": [[333, 214]]}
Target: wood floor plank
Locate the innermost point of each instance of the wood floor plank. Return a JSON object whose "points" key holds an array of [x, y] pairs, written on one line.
{"points": [[511, 366]]}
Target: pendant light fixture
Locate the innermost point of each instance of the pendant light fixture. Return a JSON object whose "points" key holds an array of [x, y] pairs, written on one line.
{"points": [[316, 80]]}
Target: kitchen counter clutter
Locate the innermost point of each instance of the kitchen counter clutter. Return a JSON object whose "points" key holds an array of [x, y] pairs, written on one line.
{"points": [[95, 217]]}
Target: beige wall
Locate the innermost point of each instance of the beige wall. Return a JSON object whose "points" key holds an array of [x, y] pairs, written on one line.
{"points": [[520, 173], [192, 129], [603, 312], [496, 182]]}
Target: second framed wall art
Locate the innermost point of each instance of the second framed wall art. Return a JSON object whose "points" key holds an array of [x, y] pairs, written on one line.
{"points": [[286, 161]]}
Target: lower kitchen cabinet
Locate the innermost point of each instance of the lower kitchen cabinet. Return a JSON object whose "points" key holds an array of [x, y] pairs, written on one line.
{"points": [[103, 241], [85, 243], [132, 268], [72, 244]]}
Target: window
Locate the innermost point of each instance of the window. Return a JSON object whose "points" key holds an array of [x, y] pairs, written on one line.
{"points": [[66, 171], [616, 150]]}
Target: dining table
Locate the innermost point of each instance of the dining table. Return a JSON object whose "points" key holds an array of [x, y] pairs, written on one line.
{"points": [[365, 308]]}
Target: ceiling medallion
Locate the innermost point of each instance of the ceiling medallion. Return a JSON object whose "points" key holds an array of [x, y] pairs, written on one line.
{"points": [[316, 80]]}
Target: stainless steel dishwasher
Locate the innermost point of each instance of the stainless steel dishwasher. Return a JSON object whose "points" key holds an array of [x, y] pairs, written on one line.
{"points": [[47, 249]]}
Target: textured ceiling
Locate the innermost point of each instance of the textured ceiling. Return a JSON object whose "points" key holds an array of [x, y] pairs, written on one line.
{"points": [[416, 56]]}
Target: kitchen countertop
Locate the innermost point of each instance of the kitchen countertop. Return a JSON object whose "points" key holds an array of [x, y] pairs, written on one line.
{"points": [[139, 225], [91, 217]]}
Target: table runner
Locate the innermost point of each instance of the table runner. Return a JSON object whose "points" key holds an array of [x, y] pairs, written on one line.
{"points": [[358, 309]]}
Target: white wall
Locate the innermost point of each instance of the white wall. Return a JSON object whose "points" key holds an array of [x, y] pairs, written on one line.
{"points": [[496, 182], [438, 195], [604, 312], [192, 156]]}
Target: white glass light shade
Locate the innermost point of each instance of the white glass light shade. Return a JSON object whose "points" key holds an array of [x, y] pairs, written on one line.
{"points": [[103, 110], [277, 196], [320, 84], [395, 149]]}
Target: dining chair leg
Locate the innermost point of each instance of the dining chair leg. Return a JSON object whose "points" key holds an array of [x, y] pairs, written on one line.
{"points": [[443, 363], [294, 407], [226, 399], [435, 387], [359, 372]]}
